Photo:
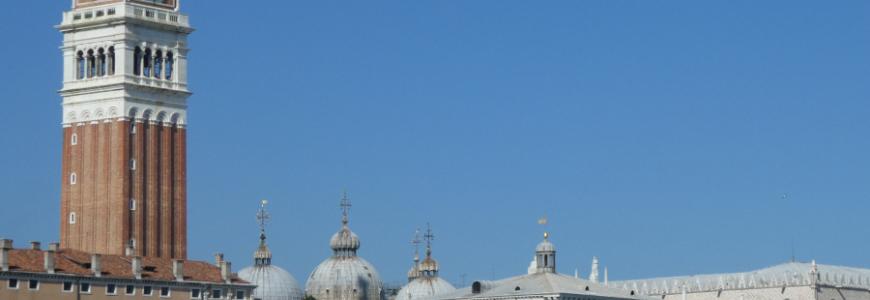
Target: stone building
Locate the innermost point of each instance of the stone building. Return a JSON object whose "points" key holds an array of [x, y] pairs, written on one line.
{"points": [[124, 127], [57, 274], [789, 281], [543, 283]]}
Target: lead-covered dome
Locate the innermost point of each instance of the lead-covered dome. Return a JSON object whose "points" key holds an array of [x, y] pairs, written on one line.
{"points": [[427, 284], [424, 287], [345, 276], [273, 283]]}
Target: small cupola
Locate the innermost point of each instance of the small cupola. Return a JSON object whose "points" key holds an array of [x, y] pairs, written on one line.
{"points": [[545, 256]]}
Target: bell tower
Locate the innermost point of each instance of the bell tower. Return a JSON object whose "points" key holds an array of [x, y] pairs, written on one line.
{"points": [[124, 174]]}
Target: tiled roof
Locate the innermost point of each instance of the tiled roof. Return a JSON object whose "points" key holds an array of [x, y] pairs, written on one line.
{"points": [[78, 263]]}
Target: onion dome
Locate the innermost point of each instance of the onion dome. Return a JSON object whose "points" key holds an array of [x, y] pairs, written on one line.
{"points": [[273, 283], [344, 242], [344, 275]]}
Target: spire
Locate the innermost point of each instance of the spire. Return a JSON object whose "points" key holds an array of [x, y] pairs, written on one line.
{"points": [[263, 256]]}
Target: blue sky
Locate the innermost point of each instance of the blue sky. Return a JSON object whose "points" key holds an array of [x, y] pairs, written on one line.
{"points": [[666, 137]]}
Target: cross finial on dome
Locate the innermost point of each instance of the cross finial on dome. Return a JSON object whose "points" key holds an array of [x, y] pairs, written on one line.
{"points": [[263, 216], [429, 236], [263, 256], [345, 207], [416, 242]]}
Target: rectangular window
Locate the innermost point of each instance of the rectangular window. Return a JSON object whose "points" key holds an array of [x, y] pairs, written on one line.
{"points": [[146, 290], [12, 283], [111, 289], [67, 287], [33, 285], [164, 292], [133, 164], [195, 293], [100, 13], [132, 204], [85, 288], [130, 290], [217, 294], [240, 295], [110, 11]]}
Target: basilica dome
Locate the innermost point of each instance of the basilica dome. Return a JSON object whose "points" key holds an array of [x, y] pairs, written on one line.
{"points": [[427, 283], [345, 276], [273, 283], [424, 287]]}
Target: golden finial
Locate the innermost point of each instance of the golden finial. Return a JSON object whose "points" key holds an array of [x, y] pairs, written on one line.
{"points": [[546, 235]]}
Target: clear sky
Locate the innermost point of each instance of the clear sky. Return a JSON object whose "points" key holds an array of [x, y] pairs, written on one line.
{"points": [[666, 137]]}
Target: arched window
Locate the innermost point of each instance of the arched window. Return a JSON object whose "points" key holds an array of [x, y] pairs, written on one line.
{"points": [[158, 63], [137, 61], [170, 65], [74, 139], [111, 60], [80, 65], [72, 218], [147, 63], [73, 179], [101, 61], [92, 64]]}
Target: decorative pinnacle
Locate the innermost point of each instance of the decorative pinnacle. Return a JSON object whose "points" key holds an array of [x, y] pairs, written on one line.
{"points": [[345, 207], [429, 236]]}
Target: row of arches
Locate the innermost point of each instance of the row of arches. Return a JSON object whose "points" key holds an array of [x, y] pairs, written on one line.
{"points": [[157, 64], [95, 63]]}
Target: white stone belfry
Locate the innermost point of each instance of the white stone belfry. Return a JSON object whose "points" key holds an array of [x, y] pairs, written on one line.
{"points": [[124, 59]]}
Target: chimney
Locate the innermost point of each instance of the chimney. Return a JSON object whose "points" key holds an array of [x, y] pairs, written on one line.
{"points": [[5, 247], [178, 269], [34, 245], [218, 259], [226, 271], [96, 268], [137, 267], [128, 250], [49, 260], [54, 247]]}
